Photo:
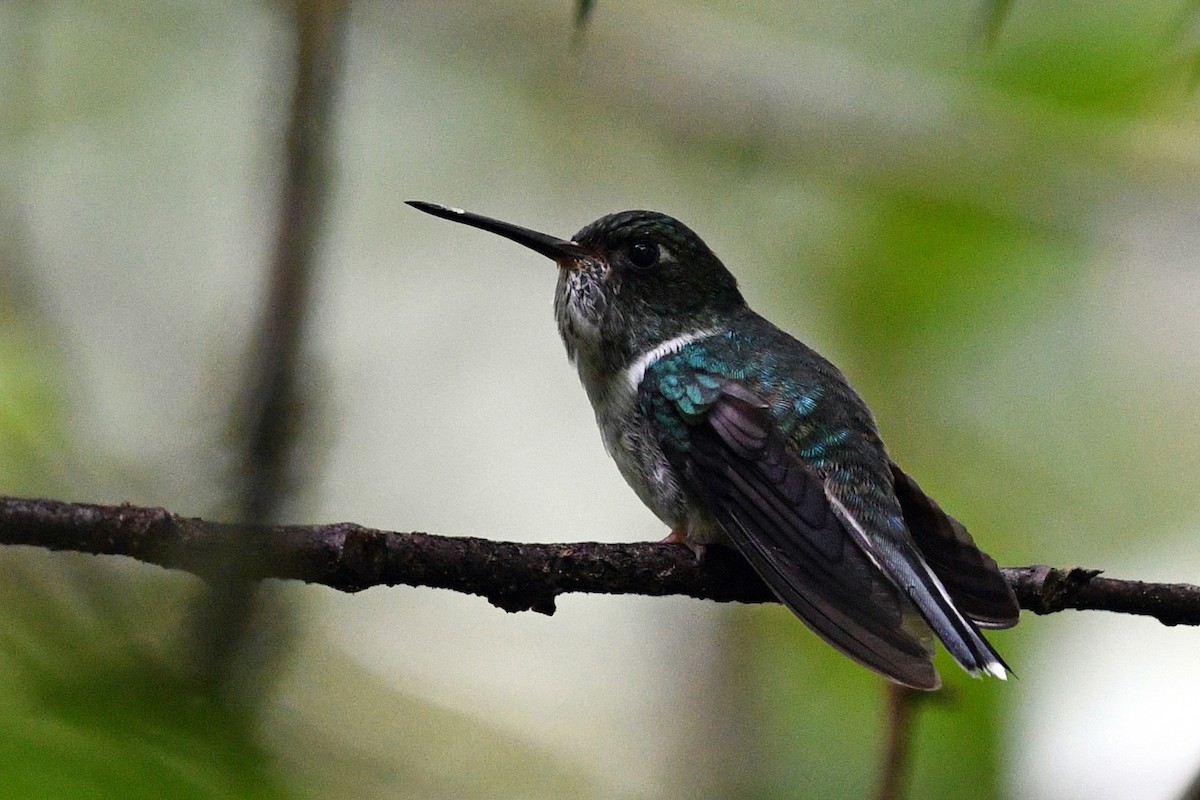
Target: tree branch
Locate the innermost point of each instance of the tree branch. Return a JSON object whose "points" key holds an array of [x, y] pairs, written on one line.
{"points": [[511, 575]]}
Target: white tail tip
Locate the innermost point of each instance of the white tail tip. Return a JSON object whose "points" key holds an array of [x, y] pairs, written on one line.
{"points": [[996, 670]]}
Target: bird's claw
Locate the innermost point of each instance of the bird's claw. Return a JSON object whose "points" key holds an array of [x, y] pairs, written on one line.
{"points": [[680, 536]]}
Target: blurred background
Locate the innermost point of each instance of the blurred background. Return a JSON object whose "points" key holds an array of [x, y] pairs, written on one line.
{"points": [[987, 215]]}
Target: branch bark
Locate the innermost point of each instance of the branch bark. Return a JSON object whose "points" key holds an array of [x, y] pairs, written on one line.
{"points": [[511, 575]]}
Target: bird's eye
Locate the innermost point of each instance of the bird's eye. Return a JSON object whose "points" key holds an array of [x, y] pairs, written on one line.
{"points": [[643, 254]]}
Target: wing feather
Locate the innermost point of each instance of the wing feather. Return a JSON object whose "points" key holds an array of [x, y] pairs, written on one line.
{"points": [[774, 509]]}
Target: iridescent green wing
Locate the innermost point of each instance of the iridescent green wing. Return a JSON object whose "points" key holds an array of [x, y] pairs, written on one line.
{"points": [[724, 441]]}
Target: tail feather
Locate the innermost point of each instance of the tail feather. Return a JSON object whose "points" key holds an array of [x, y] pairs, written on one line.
{"points": [[958, 633], [970, 576], [903, 564]]}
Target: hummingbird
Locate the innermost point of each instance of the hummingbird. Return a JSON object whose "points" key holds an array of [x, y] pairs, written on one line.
{"points": [[733, 432]]}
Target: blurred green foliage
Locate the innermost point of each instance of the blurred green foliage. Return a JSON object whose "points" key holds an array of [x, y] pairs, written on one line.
{"points": [[947, 270], [99, 699], [31, 406]]}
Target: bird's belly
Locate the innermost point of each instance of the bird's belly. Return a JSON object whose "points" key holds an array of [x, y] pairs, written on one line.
{"points": [[643, 464], [631, 442]]}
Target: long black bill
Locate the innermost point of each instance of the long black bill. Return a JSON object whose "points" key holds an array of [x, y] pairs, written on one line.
{"points": [[565, 252]]}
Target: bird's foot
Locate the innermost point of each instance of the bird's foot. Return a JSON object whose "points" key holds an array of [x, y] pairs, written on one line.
{"points": [[680, 536]]}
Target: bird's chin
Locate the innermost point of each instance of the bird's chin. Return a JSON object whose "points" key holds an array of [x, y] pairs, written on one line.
{"points": [[579, 307]]}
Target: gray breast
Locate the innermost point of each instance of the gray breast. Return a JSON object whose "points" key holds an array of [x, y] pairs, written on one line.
{"points": [[631, 442]]}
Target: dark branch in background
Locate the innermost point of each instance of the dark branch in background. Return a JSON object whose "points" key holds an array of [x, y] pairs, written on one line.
{"points": [[994, 12], [511, 575], [1192, 792], [271, 404], [583, 12], [270, 411], [901, 719]]}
